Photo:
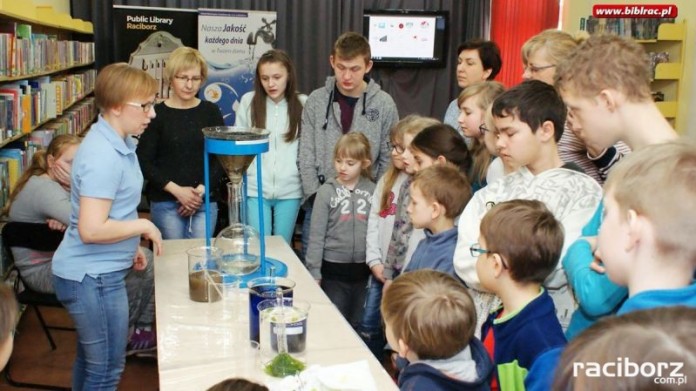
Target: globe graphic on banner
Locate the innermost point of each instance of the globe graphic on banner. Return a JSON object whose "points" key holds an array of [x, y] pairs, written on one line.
{"points": [[225, 87]]}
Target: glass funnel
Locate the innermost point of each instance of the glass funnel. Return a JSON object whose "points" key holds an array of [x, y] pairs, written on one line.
{"points": [[239, 242]]}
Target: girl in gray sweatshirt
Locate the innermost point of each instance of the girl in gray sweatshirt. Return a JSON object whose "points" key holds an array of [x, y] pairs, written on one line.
{"points": [[336, 251]]}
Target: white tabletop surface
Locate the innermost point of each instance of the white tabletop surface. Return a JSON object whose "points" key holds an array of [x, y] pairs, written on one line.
{"points": [[196, 348]]}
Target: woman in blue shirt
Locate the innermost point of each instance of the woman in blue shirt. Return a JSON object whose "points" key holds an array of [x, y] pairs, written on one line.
{"points": [[101, 242]]}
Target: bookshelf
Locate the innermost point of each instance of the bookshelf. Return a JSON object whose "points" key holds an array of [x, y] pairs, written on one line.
{"points": [[46, 78], [667, 78]]}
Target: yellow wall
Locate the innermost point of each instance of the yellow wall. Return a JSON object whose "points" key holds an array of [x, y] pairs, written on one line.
{"points": [[573, 10], [59, 6]]}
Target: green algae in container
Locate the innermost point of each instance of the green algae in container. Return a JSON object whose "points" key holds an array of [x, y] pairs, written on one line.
{"points": [[284, 365]]}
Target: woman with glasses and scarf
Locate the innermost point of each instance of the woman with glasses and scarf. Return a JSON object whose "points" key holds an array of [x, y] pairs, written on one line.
{"points": [[171, 151]]}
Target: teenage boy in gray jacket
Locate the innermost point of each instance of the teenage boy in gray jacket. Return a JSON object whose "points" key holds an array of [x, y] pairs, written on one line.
{"points": [[349, 102]]}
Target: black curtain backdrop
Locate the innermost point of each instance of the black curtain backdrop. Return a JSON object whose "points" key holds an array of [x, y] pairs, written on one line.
{"points": [[306, 29]]}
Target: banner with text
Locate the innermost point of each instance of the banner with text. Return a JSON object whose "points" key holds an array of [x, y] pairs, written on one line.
{"points": [[231, 42], [145, 36]]}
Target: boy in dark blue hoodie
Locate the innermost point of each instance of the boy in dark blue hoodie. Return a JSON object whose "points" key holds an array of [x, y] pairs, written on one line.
{"points": [[430, 320], [519, 246]]}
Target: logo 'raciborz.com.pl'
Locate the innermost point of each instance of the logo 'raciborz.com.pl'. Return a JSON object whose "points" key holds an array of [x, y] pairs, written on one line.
{"points": [[660, 372]]}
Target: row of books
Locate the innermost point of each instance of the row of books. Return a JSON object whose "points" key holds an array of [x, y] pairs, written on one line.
{"points": [[24, 104], [636, 28], [12, 164], [23, 53], [74, 121], [14, 159]]}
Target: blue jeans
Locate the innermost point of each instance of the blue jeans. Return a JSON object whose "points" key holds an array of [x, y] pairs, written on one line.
{"points": [[99, 308], [173, 226], [281, 213], [370, 328]]}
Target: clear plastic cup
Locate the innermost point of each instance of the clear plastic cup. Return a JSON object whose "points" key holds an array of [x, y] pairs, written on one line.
{"points": [[228, 300]]}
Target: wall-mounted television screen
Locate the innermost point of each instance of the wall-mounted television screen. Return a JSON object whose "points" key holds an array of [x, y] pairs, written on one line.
{"points": [[407, 37]]}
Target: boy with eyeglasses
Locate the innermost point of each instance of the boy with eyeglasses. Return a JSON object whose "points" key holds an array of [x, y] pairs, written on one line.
{"points": [[519, 246], [528, 120]]}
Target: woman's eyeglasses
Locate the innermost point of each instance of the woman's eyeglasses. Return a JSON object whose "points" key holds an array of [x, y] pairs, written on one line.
{"points": [[533, 69], [146, 107], [185, 79]]}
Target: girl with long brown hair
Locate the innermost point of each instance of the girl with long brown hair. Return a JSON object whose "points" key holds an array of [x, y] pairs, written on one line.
{"points": [[275, 105]]}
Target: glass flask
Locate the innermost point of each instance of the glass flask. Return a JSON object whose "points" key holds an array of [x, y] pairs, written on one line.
{"points": [[239, 242]]}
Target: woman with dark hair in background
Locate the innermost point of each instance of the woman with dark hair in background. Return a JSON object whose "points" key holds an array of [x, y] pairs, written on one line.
{"points": [[477, 61]]}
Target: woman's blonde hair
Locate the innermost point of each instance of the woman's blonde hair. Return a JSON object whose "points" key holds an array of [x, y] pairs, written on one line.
{"points": [[412, 125], [355, 145], [559, 45], [118, 83], [485, 93], [185, 58], [39, 164]]}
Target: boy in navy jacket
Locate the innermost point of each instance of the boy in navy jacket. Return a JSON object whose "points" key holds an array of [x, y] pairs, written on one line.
{"points": [[430, 319], [519, 246]]}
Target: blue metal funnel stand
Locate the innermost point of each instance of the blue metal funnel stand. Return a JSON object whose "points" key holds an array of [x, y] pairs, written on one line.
{"points": [[236, 148]]}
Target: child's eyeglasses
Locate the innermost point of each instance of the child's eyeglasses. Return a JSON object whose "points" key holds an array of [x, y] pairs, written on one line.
{"points": [[398, 148], [483, 129], [475, 250]]}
